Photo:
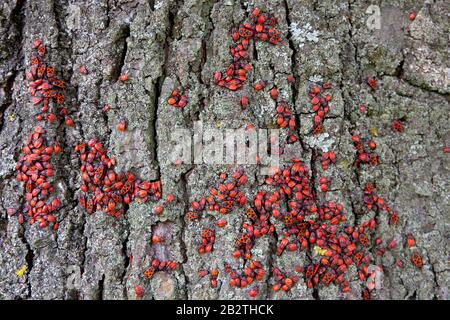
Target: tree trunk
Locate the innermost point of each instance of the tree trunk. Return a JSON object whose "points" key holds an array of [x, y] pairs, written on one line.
{"points": [[162, 45]]}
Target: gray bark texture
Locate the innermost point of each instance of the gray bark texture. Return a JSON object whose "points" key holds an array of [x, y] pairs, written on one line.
{"points": [[166, 44]]}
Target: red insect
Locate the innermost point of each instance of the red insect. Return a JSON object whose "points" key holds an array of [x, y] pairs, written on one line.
{"points": [[192, 216], [41, 50], [139, 291], [59, 98], [410, 241], [36, 43], [417, 260], [156, 239], [372, 83], [221, 223], [50, 71], [366, 294], [397, 125], [122, 125], [273, 93], [158, 210], [83, 69], [59, 83], [51, 117], [393, 219], [69, 122], [213, 279], [170, 197], [258, 86], [35, 61], [253, 292], [244, 102], [123, 77], [177, 100]]}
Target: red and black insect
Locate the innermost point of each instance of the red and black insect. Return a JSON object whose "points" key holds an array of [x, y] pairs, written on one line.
{"points": [[44, 87], [417, 260], [259, 28], [177, 99], [34, 168], [106, 190]]}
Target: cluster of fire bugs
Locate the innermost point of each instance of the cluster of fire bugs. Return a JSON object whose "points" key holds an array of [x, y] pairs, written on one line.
{"points": [[289, 197]]}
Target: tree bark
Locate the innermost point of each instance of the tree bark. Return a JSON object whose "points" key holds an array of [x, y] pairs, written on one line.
{"points": [[163, 45]]}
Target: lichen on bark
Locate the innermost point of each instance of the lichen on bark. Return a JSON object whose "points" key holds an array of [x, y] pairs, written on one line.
{"points": [[164, 44]]}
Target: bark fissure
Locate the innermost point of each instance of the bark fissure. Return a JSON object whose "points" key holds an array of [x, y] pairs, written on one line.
{"points": [[405, 92]]}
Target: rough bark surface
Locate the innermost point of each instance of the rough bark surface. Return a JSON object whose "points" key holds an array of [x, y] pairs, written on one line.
{"points": [[165, 44]]}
